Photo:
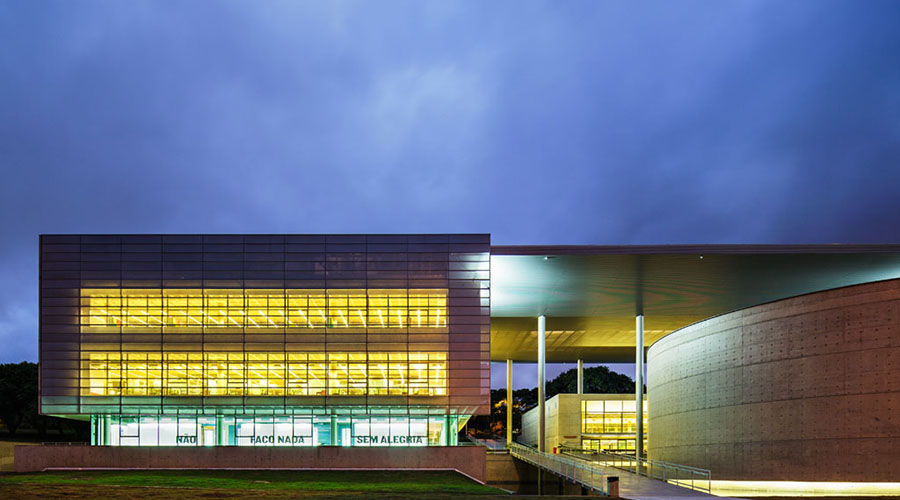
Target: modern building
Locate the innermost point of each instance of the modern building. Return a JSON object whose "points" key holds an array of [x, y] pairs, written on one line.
{"points": [[266, 340], [765, 362], [602, 422]]}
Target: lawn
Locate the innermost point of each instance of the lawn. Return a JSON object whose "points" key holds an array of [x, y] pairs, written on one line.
{"points": [[384, 485]]}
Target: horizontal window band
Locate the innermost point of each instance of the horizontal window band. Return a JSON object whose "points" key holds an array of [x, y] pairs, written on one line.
{"points": [[264, 374], [262, 308]]}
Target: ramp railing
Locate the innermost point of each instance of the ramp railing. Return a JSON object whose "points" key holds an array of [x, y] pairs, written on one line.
{"points": [[492, 445], [577, 471], [685, 476]]}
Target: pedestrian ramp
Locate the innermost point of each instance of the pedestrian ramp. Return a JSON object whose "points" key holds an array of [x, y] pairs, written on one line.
{"points": [[572, 469], [650, 480]]}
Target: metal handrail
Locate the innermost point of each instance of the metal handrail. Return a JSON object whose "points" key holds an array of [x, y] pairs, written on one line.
{"points": [[685, 476], [577, 471], [491, 447]]}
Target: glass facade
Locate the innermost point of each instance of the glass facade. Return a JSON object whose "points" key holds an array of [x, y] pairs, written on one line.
{"points": [[194, 340], [186, 310], [273, 430], [263, 374], [610, 425]]}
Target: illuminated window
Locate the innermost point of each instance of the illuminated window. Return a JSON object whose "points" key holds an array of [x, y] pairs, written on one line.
{"points": [[173, 310], [317, 374], [611, 424], [263, 374], [274, 430]]}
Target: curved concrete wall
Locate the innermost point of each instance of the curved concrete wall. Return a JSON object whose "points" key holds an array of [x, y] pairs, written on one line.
{"points": [[806, 388]]}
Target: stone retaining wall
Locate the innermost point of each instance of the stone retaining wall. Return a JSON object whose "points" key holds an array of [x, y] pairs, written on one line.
{"points": [[469, 460]]}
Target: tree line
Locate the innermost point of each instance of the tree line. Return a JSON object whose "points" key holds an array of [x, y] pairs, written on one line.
{"points": [[19, 407], [597, 380]]}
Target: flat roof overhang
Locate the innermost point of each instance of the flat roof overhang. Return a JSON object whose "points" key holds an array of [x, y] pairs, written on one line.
{"points": [[590, 294]]}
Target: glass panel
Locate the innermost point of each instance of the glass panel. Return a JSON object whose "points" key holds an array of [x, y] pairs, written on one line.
{"points": [[275, 430], [613, 420], [106, 310]]}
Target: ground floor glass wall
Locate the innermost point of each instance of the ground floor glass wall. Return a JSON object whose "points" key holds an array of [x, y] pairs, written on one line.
{"points": [[274, 430], [610, 425]]}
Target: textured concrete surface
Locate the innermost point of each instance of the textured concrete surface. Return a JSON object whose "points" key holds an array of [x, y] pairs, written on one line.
{"points": [[563, 419], [504, 471], [804, 389], [469, 460]]}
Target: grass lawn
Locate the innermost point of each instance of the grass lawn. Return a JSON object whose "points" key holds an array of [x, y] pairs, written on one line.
{"points": [[375, 485]]}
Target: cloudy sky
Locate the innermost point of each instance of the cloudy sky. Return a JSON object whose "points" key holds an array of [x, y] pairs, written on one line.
{"points": [[539, 122]]}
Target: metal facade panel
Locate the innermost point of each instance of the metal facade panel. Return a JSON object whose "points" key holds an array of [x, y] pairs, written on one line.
{"points": [[72, 263]]}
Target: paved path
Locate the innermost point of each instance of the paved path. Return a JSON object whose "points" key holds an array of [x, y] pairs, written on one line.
{"points": [[635, 487]]}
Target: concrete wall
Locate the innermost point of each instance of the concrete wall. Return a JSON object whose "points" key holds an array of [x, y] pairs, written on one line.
{"points": [[529, 434], [563, 419], [561, 404], [504, 471], [806, 388], [469, 460]]}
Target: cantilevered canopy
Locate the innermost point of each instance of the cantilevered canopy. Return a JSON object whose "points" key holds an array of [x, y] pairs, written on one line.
{"points": [[590, 294]]}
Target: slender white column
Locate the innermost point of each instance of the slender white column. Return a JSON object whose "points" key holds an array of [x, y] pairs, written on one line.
{"points": [[509, 402], [639, 384], [580, 388], [542, 356]]}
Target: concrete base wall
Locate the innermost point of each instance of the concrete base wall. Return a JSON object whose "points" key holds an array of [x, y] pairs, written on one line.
{"points": [[504, 471], [803, 389], [469, 460]]}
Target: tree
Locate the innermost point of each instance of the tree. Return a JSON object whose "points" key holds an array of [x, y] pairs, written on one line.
{"points": [[18, 394], [598, 380], [19, 405]]}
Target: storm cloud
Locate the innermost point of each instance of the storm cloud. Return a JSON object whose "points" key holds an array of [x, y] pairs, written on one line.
{"points": [[578, 122]]}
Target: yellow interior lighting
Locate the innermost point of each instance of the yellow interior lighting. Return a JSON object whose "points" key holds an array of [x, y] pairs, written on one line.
{"points": [[263, 374], [105, 309], [803, 488], [610, 424]]}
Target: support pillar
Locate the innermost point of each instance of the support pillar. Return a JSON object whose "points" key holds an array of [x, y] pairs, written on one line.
{"points": [[580, 383], [334, 436], [639, 386], [105, 430], [509, 403], [449, 427], [542, 356]]}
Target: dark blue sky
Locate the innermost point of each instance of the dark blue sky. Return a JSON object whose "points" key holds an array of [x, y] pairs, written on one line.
{"points": [[539, 122]]}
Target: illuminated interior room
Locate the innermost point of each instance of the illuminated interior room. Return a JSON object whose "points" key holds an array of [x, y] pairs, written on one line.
{"points": [[605, 422]]}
